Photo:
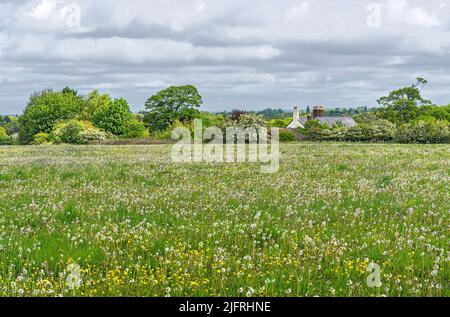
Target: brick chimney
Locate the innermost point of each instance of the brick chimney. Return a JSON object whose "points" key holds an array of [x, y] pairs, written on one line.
{"points": [[316, 113], [322, 111]]}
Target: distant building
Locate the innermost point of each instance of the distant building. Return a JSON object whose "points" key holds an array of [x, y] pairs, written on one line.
{"points": [[319, 114]]}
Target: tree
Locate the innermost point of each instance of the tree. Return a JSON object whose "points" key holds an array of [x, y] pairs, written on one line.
{"points": [[273, 113], [45, 109], [172, 104], [94, 101], [420, 82], [135, 129], [113, 117], [403, 105], [69, 90], [3, 134]]}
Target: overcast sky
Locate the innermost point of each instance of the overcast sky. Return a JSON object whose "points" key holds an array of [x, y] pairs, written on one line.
{"points": [[248, 54]]}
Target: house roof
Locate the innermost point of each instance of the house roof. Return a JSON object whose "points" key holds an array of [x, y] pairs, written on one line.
{"points": [[347, 121], [330, 121]]}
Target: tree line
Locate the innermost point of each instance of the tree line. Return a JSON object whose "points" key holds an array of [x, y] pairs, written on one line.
{"points": [[404, 116], [68, 117]]}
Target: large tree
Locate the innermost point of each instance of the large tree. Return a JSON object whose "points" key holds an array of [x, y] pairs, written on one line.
{"points": [[45, 109], [171, 104], [403, 105], [113, 117], [93, 102]]}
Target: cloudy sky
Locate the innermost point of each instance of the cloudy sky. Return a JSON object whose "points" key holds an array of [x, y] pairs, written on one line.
{"points": [[248, 54]]}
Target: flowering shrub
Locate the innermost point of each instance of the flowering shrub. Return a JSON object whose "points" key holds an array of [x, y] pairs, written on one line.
{"points": [[427, 132], [68, 132], [93, 135]]}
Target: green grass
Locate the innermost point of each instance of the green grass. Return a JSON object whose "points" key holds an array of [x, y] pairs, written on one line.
{"points": [[139, 225]]}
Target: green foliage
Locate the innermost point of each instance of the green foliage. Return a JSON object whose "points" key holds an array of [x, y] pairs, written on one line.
{"points": [[212, 120], [280, 123], [45, 109], [113, 117], [287, 136], [93, 135], [426, 132], [314, 130], [3, 134], [374, 131], [429, 132], [68, 90], [11, 124], [378, 131], [339, 112], [171, 104], [435, 112], [248, 120], [93, 102], [135, 129], [41, 138], [68, 132], [366, 118], [167, 133], [403, 105], [274, 114]]}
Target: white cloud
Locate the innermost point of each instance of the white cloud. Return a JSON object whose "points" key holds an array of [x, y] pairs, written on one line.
{"points": [[43, 10], [407, 13], [422, 18], [251, 53], [297, 11], [134, 51]]}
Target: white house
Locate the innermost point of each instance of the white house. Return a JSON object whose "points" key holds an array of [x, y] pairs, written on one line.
{"points": [[319, 114]]}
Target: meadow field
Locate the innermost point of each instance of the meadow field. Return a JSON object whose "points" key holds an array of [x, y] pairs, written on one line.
{"points": [[126, 221]]}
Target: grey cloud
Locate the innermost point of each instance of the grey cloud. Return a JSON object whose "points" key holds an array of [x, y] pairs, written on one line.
{"points": [[247, 54]]}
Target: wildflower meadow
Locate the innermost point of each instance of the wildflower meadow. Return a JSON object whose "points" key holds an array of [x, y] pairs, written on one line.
{"points": [[127, 221]]}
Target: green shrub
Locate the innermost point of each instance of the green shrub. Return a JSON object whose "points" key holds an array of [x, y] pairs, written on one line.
{"points": [[167, 133], [314, 130], [287, 136], [425, 132], [135, 129], [3, 134], [4, 138], [377, 131], [93, 135], [279, 123], [68, 132], [366, 131], [113, 117], [41, 138]]}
